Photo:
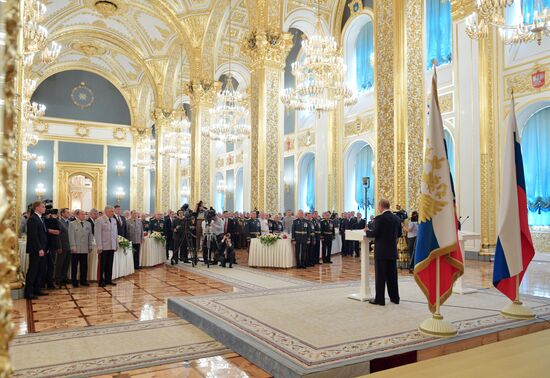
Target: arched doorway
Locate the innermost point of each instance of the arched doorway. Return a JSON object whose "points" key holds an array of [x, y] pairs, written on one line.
{"points": [[306, 182], [80, 182], [359, 164], [80, 192]]}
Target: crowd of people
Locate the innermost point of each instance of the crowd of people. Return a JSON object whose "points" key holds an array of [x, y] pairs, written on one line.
{"points": [[59, 239]]}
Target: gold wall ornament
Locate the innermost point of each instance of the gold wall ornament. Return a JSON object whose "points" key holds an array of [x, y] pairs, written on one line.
{"points": [[359, 126], [9, 165], [119, 133], [522, 82], [220, 163], [306, 139], [40, 127], [82, 96], [384, 96], [541, 241], [107, 8], [267, 48], [82, 130], [414, 34], [462, 8], [195, 26], [88, 48]]}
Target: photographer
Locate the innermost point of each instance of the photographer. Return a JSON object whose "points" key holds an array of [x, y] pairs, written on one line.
{"points": [[212, 231], [180, 245], [226, 251]]}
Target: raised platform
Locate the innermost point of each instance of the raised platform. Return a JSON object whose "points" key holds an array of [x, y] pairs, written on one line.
{"points": [[315, 331]]}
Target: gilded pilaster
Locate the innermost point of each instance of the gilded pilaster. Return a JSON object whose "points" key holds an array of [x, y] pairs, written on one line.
{"points": [[267, 52], [335, 151], [416, 108], [400, 101], [384, 97], [487, 124], [9, 11], [202, 95], [162, 194]]}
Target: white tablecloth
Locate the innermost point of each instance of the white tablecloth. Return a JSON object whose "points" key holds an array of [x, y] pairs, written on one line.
{"points": [[23, 257], [123, 264], [337, 244], [278, 255], [152, 252]]}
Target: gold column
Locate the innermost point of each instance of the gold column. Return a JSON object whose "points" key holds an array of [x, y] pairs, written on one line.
{"points": [[384, 99], [9, 11], [487, 124], [202, 95], [335, 160], [415, 106], [162, 177], [267, 52]]}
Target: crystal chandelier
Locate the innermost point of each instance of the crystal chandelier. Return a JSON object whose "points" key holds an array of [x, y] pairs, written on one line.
{"points": [[229, 115], [145, 150], [220, 186], [320, 77], [489, 14], [51, 53]]}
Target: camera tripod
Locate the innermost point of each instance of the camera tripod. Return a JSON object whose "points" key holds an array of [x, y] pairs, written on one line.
{"points": [[210, 244]]}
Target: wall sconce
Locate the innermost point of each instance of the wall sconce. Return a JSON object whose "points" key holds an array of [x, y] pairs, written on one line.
{"points": [[40, 164], [119, 168], [119, 195], [40, 191]]}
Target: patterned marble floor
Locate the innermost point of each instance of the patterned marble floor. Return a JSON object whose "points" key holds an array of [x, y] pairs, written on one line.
{"points": [[142, 296]]}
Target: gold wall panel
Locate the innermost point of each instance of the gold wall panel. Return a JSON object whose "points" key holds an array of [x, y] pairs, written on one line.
{"points": [[521, 82], [359, 126], [95, 172], [541, 240]]}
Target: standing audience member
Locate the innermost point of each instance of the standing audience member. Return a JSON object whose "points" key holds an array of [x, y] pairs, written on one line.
{"points": [[328, 235], [37, 241], [92, 218], [106, 233], [135, 235], [360, 225], [121, 225], [300, 239], [169, 233], [64, 256], [81, 240], [412, 232], [180, 245], [54, 247]]}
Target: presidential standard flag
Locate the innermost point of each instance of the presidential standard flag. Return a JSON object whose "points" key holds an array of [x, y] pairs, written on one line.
{"points": [[438, 227], [514, 249]]}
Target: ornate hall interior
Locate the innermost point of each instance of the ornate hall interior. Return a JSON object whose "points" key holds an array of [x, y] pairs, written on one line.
{"points": [[241, 114]]}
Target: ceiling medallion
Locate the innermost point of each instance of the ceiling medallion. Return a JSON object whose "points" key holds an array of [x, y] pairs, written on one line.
{"points": [[107, 8], [82, 96], [88, 48], [82, 130]]}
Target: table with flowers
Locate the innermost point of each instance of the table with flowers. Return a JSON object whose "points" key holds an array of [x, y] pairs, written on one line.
{"points": [[153, 250], [275, 253]]}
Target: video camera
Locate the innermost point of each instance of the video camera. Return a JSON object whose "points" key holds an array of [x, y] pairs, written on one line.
{"points": [[209, 215]]}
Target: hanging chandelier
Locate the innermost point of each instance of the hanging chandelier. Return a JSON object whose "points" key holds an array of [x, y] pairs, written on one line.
{"points": [[229, 115], [489, 14], [145, 150], [320, 77]]}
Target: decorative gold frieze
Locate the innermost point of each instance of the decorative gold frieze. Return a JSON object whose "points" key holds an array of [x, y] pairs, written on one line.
{"points": [[195, 27], [40, 127], [525, 83], [202, 92], [446, 103], [88, 48], [220, 163], [267, 48], [359, 126], [462, 8]]}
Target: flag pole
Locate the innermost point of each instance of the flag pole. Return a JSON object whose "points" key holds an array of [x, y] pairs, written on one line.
{"points": [[436, 326], [516, 309]]}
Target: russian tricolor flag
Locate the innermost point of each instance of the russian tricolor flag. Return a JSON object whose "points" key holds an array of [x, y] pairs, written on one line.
{"points": [[514, 249], [438, 228]]}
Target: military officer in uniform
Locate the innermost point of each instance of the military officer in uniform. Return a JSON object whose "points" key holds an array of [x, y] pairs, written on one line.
{"points": [[312, 241], [318, 235], [156, 224], [275, 225], [328, 235], [300, 239], [253, 228]]}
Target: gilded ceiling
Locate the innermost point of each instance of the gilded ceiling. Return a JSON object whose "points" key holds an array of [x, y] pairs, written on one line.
{"points": [[145, 46]]}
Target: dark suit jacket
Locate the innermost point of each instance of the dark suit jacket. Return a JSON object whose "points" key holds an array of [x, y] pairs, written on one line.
{"points": [[386, 230], [360, 224], [122, 227], [37, 236], [168, 229], [54, 242], [92, 224], [64, 236]]}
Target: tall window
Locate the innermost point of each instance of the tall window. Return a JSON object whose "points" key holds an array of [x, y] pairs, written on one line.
{"points": [[363, 53], [310, 185], [439, 32], [535, 142], [364, 167]]}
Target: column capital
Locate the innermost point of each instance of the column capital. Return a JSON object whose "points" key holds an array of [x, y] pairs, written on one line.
{"points": [[267, 48], [159, 114], [462, 8], [202, 92]]}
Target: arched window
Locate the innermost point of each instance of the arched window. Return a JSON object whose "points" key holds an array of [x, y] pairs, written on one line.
{"points": [[364, 49], [450, 151], [439, 32], [306, 182], [359, 163], [535, 142], [239, 191]]}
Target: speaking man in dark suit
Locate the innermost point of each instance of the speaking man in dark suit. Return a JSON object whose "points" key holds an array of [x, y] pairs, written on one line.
{"points": [[386, 230], [37, 242]]}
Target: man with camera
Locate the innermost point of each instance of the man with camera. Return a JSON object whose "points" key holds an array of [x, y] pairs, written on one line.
{"points": [[226, 252]]}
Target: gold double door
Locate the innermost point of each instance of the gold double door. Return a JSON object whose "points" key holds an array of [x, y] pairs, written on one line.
{"points": [[93, 173]]}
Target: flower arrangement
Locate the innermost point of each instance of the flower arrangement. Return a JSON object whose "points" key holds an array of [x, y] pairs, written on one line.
{"points": [[123, 243], [158, 236], [269, 239]]}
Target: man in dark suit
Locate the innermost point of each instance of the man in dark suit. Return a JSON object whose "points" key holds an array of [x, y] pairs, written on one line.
{"points": [[386, 230], [37, 242], [63, 257], [93, 215], [344, 222], [169, 233], [359, 225], [121, 226]]}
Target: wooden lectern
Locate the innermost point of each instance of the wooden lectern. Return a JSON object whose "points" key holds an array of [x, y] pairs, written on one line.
{"points": [[364, 290]]}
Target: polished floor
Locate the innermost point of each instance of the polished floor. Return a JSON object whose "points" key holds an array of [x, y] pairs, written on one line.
{"points": [[142, 296]]}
